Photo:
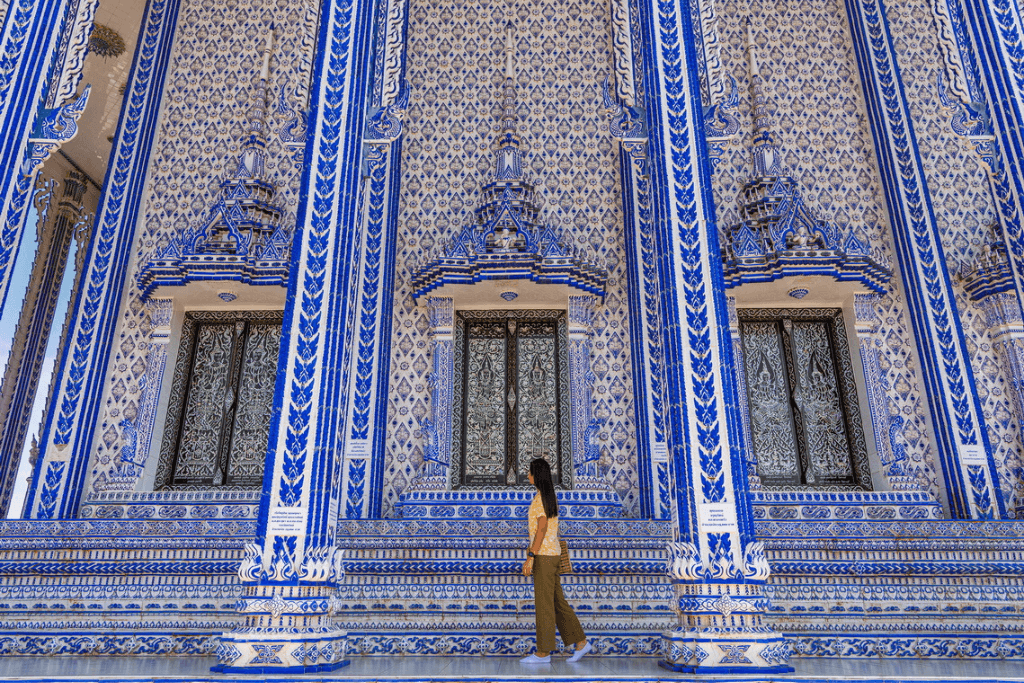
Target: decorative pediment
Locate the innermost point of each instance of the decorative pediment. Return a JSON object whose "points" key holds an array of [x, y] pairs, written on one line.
{"points": [[507, 239], [990, 272], [779, 236], [242, 237]]}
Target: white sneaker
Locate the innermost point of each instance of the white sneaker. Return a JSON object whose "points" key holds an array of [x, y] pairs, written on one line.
{"points": [[534, 659], [578, 655]]}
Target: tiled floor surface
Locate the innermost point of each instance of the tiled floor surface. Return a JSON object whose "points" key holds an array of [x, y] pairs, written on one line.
{"points": [[497, 669]]}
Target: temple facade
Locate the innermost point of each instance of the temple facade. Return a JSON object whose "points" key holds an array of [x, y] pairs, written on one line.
{"points": [[747, 274]]}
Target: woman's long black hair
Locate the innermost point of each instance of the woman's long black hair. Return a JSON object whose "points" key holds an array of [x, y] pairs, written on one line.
{"points": [[541, 472]]}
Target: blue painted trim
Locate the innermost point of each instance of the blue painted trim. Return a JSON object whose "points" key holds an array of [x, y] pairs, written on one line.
{"points": [[214, 273], [685, 516], [321, 305], [375, 481], [677, 358], [49, 280], [637, 309], [525, 268], [373, 487]]}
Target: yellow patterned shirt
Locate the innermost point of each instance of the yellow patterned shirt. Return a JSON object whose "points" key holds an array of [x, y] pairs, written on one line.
{"points": [[549, 546]]}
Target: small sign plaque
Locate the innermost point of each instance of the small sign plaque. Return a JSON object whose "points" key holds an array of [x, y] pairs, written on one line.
{"points": [[717, 517], [357, 448], [973, 455], [287, 521]]}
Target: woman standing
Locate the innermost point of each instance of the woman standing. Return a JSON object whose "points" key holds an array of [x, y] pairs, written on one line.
{"points": [[542, 562]]}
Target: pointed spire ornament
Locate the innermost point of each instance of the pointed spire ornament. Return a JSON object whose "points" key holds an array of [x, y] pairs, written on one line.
{"points": [[779, 236], [509, 239], [766, 150], [252, 161], [243, 237], [509, 162]]}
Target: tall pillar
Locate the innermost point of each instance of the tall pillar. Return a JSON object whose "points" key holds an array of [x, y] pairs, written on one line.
{"points": [[363, 480], [364, 454], [961, 439], [290, 573], [626, 123], [59, 221], [988, 35], [716, 565], [984, 76], [644, 323], [42, 50]]}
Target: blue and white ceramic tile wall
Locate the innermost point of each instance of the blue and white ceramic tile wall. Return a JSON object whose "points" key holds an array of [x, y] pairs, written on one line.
{"points": [[214, 62], [827, 146], [562, 56], [964, 211], [851, 577]]}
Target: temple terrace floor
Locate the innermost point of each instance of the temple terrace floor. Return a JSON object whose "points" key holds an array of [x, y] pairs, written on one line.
{"points": [[504, 669]]}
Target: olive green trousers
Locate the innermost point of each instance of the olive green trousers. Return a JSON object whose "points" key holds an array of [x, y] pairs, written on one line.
{"points": [[552, 609]]}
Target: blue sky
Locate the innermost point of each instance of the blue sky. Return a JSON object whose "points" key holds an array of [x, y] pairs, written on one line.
{"points": [[9, 322]]}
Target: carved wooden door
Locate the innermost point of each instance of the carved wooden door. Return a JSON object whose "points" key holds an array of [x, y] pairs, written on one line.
{"points": [[803, 415], [224, 388], [509, 405]]}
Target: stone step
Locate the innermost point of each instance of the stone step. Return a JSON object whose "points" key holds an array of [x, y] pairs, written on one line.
{"points": [[455, 587]]}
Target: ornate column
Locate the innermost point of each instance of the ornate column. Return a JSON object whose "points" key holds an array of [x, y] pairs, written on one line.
{"points": [[627, 125], [364, 454], [644, 322], [59, 222], [887, 428], [716, 566], [42, 48], [981, 45], [981, 42], [291, 572], [363, 478], [438, 427], [982, 91], [58, 480], [961, 440], [581, 380]]}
